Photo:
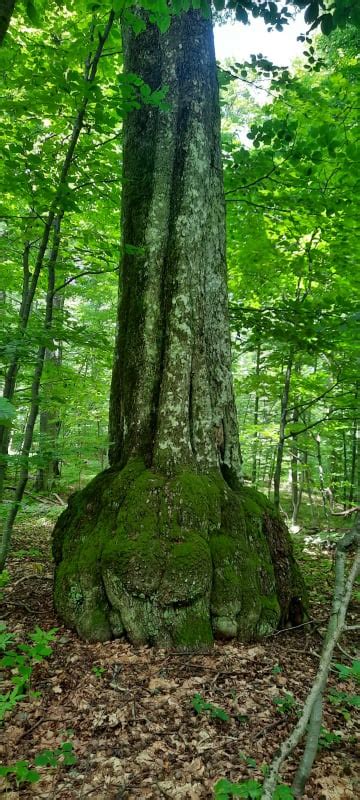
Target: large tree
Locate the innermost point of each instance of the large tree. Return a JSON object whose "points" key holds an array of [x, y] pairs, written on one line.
{"points": [[167, 546]]}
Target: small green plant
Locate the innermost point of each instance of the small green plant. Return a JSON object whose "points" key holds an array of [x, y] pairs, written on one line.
{"points": [[4, 580], [250, 762], [20, 662], [276, 669], [343, 701], [5, 637], [32, 552], [327, 739], [201, 706], [225, 790], [98, 671], [285, 703], [349, 672], [22, 771]]}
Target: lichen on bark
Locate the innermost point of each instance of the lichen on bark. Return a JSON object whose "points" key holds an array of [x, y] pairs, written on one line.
{"points": [[166, 546]]}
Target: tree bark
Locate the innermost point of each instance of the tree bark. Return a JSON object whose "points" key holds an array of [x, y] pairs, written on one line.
{"points": [[50, 423], [172, 397], [283, 419], [354, 466], [254, 469], [6, 12], [166, 546]]}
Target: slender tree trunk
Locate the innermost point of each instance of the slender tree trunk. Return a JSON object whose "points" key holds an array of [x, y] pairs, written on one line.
{"points": [[49, 424], [345, 471], [321, 475], [296, 482], [34, 404], [272, 463], [166, 546], [256, 419], [283, 419], [354, 466], [307, 479]]}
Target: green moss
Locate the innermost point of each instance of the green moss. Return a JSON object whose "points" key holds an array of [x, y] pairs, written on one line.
{"points": [[249, 615], [68, 594], [170, 561], [223, 548], [116, 624], [137, 563], [270, 615], [93, 624], [188, 571], [195, 499], [191, 627], [232, 515], [225, 627]]}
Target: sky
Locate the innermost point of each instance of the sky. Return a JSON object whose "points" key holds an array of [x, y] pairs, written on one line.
{"points": [[238, 41]]}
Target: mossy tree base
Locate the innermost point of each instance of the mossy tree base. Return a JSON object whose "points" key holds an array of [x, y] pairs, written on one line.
{"points": [[171, 561]]}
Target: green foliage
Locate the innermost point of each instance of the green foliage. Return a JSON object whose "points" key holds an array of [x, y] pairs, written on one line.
{"points": [[7, 412], [19, 663], [285, 703], [349, 672], [224, 790], [98, 671], [201, 706], [4, 580], [328, 739], [345, 701], [24, 773], [294, 184]]}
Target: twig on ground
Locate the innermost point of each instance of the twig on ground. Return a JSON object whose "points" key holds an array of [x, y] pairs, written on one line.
{"points": [[295, 627], [36, 725]]}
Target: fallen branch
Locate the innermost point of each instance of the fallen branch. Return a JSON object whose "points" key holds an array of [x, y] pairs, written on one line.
{"points": [[347, 512], [312, 711], [44, 500]]}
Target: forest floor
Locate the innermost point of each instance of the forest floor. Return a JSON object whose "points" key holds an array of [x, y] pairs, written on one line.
{"points": [[128, 711]]}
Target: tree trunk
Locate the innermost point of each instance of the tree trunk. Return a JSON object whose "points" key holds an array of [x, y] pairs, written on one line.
{"points": [[166, 546], [321, 475], [307, 480], [254, 468], [34, 402], [354, 466], [296, 483], [283, 419], [50, 423], [6, 12]]}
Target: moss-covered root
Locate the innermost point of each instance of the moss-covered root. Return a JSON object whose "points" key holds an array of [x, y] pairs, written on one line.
{"points": [[169, 561]]}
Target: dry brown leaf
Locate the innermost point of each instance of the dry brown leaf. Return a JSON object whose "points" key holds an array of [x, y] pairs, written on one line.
{"points": [[336, 788], [161, 683]]}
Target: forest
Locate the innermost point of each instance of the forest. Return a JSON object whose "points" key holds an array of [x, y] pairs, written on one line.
{"points": [[180, 403]]}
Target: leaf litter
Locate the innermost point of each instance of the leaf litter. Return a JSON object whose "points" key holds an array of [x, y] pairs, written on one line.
{"points": [[129, 714]]}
